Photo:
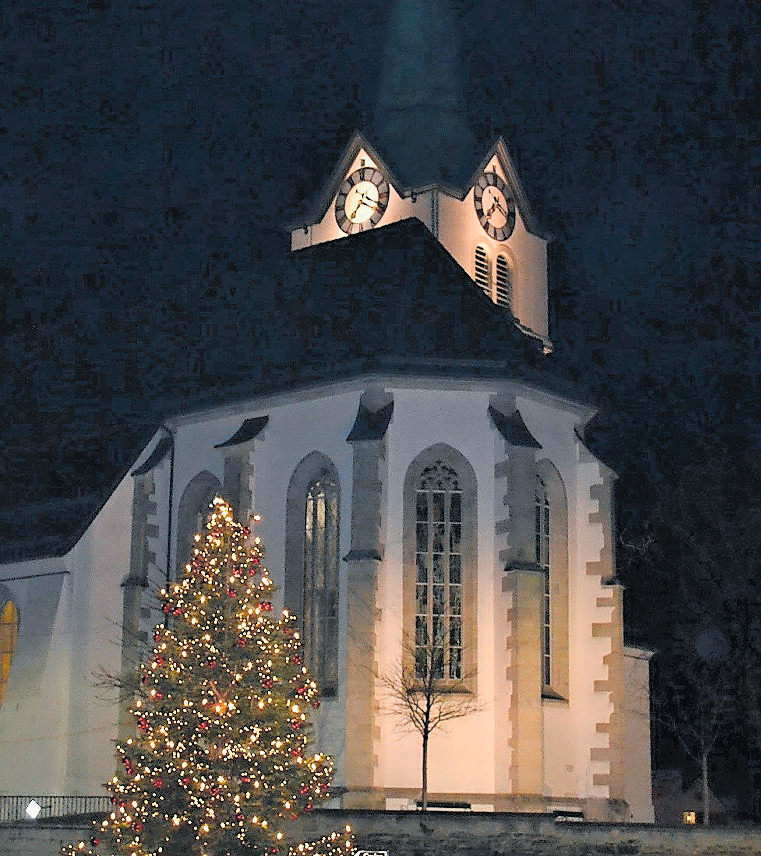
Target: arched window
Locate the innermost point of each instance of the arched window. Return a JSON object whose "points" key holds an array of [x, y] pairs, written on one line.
{"points": [[440, 565], [192, 513], [542, 536], [311, 563], [551, 539], [9, 621], [503, 283], [438, 561], [482, 270], [321, 579]]}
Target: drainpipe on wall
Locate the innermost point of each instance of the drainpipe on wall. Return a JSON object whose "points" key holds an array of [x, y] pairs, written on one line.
{"points": [[169, 507]]}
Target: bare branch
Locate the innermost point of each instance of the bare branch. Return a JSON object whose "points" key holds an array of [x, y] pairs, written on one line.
{"points": [[417, 692]]}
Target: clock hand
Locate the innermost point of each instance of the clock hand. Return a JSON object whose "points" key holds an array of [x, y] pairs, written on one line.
{"points": [[357, 207]]}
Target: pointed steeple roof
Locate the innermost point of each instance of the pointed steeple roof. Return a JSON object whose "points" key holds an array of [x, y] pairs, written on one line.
{"points": [[420, 124]]}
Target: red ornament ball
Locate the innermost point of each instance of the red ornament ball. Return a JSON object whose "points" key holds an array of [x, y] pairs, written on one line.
{"points": [[295, 724], [157, 783], [231, 592], [241, 642], [296, 660], [316, 704], [95, 841], [304, 790], [309, 807]]}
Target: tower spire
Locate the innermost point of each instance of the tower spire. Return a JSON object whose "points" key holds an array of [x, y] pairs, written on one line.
{"points": [[420, 122]]}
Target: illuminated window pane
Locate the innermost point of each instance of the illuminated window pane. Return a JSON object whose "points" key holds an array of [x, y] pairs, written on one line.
{"points": [[542, 543], [321, 581], [438, 600], [8, 639]]}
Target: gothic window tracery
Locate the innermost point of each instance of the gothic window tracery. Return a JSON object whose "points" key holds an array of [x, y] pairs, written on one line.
{"points": [[440, 560]]}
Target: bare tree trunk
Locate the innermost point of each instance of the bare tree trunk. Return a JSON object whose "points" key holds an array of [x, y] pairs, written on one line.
{"points": [[706, 792], [424, 790]]}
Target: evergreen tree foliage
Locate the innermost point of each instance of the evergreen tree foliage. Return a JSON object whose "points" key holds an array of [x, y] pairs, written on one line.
{"points": [[220, 764]]}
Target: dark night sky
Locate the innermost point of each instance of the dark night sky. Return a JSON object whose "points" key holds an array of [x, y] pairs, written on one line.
{"points": [[149, 154]]}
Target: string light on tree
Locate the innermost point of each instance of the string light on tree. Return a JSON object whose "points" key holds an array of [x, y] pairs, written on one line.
{"points": [[220, 763]]}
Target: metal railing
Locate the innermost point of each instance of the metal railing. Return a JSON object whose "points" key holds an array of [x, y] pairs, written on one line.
{"points": [[13, 807]]}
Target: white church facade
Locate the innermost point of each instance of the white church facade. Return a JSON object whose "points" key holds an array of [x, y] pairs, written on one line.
{"points": [[422, 475]]}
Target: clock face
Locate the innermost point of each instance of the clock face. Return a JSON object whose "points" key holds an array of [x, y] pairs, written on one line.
{"points": [[495, 207], [362, 200]]}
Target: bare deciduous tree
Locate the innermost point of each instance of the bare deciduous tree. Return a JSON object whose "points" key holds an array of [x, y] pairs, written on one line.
{"points": [[418, 693], [697, 708]]}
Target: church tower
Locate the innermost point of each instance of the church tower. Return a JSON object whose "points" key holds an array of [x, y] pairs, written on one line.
{"points": [[420, 161]]}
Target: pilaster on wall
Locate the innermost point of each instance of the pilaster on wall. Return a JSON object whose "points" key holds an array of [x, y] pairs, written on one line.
{"points": [[525, 619], [518, 730], [615, 686], [135, 585], [236, 483], [368, 440], [519, 467], [603, 494], [610, 605], [238, 472]]}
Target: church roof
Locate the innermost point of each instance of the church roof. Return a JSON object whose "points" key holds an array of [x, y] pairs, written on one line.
{"points": [[391, 300]]}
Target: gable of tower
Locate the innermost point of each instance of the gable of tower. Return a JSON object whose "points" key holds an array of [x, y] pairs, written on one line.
{"points": [[487, 226]]}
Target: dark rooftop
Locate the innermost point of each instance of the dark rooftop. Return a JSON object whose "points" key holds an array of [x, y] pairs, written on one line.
{"points": [[390, 300]]}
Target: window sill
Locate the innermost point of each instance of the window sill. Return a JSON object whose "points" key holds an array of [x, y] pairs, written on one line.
{"points": [[548, 694]]}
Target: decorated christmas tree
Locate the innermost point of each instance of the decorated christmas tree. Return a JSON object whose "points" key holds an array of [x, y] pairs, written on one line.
{"points": [[220, 763]]}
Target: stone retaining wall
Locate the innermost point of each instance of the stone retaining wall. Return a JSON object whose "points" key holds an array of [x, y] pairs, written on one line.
{"points": [[459, 834]]}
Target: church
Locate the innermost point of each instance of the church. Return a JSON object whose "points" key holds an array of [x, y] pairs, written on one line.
{"points": [[422, 475]]}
